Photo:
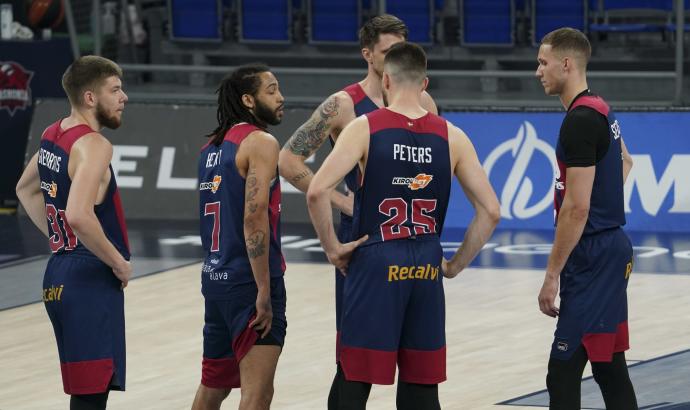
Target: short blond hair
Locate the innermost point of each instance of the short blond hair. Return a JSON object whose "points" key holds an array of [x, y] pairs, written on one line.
{"points": [[567, 39]]}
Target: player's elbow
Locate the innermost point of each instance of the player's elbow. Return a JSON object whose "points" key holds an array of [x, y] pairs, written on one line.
{"points": [[314, 194], [627, 161], [287, 163], [78, 220], [22, 192], [579, 212], [493, 212]]}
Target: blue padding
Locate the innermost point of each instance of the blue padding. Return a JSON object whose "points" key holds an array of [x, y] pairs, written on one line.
{"points": [[552, 14], [487, 22], [334, 21], [627, 28], [195, 19], [265, 20], [666, 5], [417, 16]]}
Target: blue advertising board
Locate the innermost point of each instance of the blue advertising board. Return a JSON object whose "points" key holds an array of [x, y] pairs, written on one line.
{"points": [[517, 151]]}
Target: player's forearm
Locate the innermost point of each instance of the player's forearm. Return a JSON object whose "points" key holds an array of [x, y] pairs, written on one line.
{"points": [[321, 214], [90, 233], [294, 170], [35, 207], [571, 224], [478, 233], [341, 202], [256, 238]]}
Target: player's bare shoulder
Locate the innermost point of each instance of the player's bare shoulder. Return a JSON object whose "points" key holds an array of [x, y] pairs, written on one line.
{"points": [[458, 143], [93, 144], [261, 140]]}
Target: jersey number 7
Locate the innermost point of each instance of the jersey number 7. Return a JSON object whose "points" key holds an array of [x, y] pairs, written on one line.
{"points": [[213, 208]]}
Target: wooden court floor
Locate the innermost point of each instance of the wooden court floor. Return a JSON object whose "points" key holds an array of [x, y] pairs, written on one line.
{"points": [[497, 341]]}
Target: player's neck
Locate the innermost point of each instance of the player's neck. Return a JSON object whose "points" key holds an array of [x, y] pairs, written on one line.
{"points": [[407, 103], [571, 90], [78, 117], [372, 86]]}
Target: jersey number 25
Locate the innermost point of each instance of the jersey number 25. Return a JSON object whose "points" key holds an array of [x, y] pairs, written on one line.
{"points": [[396, 208]]}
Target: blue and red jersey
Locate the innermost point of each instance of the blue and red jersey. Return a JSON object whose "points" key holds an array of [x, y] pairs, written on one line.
{"points": [[363, 105], [221, 209], [53, 165], [606, 203], [406, 184]]}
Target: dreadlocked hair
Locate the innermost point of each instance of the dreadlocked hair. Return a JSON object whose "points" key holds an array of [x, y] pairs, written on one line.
{"points": [[231, 111]]}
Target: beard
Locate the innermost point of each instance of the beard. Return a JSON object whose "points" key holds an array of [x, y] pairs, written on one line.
{"points": [[265, 115], [112, 122]]}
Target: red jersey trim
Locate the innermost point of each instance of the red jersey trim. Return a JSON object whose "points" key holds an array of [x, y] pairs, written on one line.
{"points": [[239, 132], [356, 92], [65, 138], [594, 102], [384, 118]]}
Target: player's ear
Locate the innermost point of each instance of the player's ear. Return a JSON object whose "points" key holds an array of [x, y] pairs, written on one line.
{"points": [[366, 53], [425, 83], [89, 98], [248, 101]]}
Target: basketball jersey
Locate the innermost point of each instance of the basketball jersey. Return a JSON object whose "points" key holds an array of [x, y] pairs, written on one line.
{"points": [[406, 184], [221, 209], [363, 105], [606, 204], [53, 165]]}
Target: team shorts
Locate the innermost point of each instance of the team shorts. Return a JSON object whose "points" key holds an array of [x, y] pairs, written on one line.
{"points": [[85, 305], [594, 301], [228, 337], [394, 313]]}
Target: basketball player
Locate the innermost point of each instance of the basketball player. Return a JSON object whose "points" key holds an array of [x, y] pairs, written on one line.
{"points": [[68, 190], [242, 275], [591, 253], [376, 37], [393, 302]]}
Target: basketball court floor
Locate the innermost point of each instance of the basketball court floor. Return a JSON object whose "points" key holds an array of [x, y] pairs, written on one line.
{"points": [[498, 341]]}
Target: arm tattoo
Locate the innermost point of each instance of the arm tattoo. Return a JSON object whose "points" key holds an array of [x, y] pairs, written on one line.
{"points": [[302, 175], [309, 137], [251, 188], [255, 244]]}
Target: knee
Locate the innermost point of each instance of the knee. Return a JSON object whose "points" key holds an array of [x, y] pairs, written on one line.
{"points": [[210, 398], [256, 398]]}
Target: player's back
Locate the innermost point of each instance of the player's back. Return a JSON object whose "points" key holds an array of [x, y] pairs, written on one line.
{"points": [[221, 207], [53, 164], [406, 184]]}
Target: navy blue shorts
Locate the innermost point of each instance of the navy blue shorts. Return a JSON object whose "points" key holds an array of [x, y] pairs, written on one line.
{"points": [[344, 235], [393, 312], [86, 307], [594, 301], [228, 337]]}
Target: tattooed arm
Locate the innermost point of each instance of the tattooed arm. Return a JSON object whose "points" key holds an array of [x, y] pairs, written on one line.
{"points": [[258, 159], [328, 119]]}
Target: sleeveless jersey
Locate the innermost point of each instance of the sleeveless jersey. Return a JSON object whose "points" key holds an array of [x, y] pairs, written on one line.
{"points": [[221, 207], [363, 105], [406, 184], [53, 165], [606, 204]]}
